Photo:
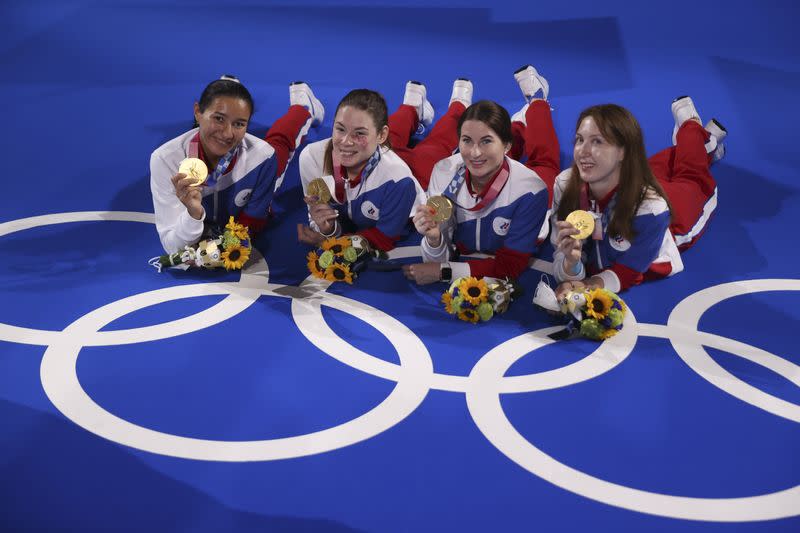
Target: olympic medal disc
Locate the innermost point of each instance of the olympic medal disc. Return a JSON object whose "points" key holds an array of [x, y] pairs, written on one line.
{"points": [[583, 221], [319, 189], [442, 208], [195, 169]]}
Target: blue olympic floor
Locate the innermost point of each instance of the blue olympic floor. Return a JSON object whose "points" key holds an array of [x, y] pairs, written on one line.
{"points": [[213, 401]]}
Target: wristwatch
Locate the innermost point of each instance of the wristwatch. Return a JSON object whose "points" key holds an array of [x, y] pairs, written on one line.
{"points": [[445, 272]]}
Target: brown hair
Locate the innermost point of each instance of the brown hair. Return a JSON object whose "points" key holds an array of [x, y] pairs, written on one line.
{"points": [[373, 103], [636, 181], [493, 115]]}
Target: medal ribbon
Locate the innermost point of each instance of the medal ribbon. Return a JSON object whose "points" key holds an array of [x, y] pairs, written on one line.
{"points": [[194, 147], [451, 191], [222, 165], [338, 174], [600, 219]]}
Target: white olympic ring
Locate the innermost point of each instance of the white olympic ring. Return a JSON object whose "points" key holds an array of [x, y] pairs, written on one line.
{"points": [[61, 384], [487, 412], [256, 275], [414, 377], [686, 317]]}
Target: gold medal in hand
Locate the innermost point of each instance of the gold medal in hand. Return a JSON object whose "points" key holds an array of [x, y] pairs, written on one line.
{"points": [[442, 208], [195, 169], [319, 189], [583, 221]]}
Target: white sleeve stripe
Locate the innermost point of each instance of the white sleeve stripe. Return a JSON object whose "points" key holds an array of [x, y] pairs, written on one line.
{"points": [[460, 270], [610, 280], [708, 210]]}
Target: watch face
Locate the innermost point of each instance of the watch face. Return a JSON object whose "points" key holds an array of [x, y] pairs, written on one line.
{"points": [[446, 274]]}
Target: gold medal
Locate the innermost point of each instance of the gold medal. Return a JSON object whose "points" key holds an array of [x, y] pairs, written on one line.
{"points": [[583, 221], [319, 188], [442, 208], [195, 169]]}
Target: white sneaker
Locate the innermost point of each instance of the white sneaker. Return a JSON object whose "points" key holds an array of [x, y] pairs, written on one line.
{"points": [[301, 94], [531, 82], [519, 116], [716, 129], [416, 97], [719, 133], [462, 92], [682, 110]]}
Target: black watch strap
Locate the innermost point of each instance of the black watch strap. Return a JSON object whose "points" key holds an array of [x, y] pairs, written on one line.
{"points": [[446, 273]]}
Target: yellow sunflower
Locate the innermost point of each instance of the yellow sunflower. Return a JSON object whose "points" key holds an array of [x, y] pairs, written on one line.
{"points": [[239, 230], [234, 257], [468, 315], [338, 272], [313, 266], [473, 290], [337, 246], [447, 300], [598, 303]]}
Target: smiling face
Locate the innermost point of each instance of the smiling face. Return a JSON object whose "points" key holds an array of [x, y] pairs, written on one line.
{"points": [[482, 150], [222, 125], [355, 138], [598, 160]]}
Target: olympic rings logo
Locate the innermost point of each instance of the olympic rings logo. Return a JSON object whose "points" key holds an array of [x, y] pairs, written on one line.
{"points": [[414, 377]]}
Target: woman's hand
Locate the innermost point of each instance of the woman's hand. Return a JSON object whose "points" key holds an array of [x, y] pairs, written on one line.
{"points": [[569, 286], [427, 226], [423, 273], [570, 247], [189, 194], [322, 214], [309, 236]]}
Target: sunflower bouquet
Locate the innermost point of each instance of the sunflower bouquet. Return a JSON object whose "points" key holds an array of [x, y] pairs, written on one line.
{"points": [[601, 313], [229, 248], [596, 314], [472, 299], [340, 258]]}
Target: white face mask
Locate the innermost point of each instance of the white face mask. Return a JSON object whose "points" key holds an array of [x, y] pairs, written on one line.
{"points": [[545, 297]]}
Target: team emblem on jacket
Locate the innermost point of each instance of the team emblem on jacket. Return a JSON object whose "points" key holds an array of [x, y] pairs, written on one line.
{"points": [[500, 225], [619, 243], [242, 197], [370, 210]]}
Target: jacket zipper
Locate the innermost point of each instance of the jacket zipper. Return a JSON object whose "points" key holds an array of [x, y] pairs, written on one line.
{"points": [[597, 242], [347, 197]]}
